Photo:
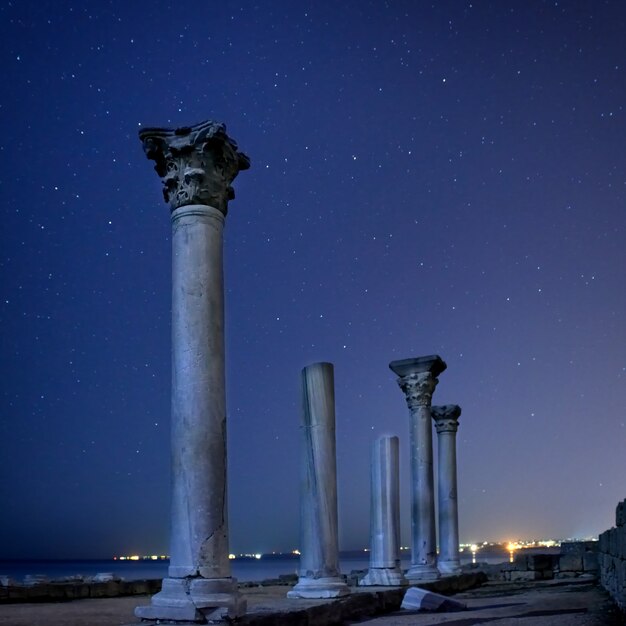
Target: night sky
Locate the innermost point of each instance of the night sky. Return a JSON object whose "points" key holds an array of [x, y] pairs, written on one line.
{"points": [[426, 179]]}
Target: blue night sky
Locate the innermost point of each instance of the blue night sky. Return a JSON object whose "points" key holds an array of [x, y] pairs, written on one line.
{"points": [[445, 178]]}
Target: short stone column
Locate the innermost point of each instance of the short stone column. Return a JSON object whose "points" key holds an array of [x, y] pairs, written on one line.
{"points": [[418, 379], [447, 423], [319, 575], [384, 566], [197, 165]]}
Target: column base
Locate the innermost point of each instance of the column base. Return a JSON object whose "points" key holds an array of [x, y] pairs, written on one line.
{"points": [[195, 600], [312, 588], [383, 577], [417, 573], [449, 568]]}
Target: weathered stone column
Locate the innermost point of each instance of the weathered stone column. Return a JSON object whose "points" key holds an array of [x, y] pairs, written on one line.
{"points": [[418, 379], [447, 423], [384, 566], [319, 575], [197, 165]]}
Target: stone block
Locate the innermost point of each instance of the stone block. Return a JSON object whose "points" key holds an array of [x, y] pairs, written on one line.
{"points": [[104, 590], [525, 575], [578, 547], [37, 592], [520, 562], [57, 592], [422, 600], [18, 593], [603, 541], [620, 514], [540, 561], [620, 541], [570, 563], [181, 614], [590, 562], [76, 591], [138, 587], [566, 575]]}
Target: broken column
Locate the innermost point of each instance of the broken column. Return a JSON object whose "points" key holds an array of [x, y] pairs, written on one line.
{"points": [[418, 378], [319, 575], [384, 566], [197, 165], [447, 423]]}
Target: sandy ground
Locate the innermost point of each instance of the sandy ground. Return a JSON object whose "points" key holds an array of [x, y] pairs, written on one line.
{"points": [[549, 603]]}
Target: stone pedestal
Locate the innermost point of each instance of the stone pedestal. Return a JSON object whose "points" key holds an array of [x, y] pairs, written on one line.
{"points": [[197, 165], [418, 378], [319, 575], [447, 423], [384, 566]]}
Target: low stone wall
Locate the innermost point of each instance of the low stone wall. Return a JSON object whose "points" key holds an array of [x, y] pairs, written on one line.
{"points": [[379, 601], [575, 559], [613, 558], [65, 591]]}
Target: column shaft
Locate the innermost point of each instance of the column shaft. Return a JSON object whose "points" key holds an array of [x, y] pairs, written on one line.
{"points": [[319, 575], [384, 566], [418, 379], [424, 544], [199, 528], [446, 423]]}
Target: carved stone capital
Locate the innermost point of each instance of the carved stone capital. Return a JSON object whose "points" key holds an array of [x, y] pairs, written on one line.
{"points": [[446, 417], [418, 388], [196, 163], [417, 378]]}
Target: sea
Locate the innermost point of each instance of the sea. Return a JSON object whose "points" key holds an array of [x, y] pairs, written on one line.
{"points": [[243, 568]]}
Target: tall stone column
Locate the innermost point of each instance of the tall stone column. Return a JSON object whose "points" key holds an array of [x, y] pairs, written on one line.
{"points": [[197, 165], [418, 378], [447, 423], [319, 575], [384, 566]]}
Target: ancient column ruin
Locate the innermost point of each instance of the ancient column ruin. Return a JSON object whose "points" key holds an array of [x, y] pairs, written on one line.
{"points": [[319, 575], [197, 165], [384, 568], [447, 423], [418, 378]]}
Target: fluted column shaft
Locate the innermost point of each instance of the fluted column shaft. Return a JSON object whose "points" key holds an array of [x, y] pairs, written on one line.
{"points": [[384, 568], [418, 379], [446, 424], [319, 575]]}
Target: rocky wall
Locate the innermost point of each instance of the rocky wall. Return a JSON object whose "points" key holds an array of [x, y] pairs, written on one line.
{"points": [[575, 559], [612, 558]]}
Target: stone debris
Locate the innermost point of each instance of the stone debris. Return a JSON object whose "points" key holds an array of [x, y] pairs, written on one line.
{"points": [[35, 579], [105, 577], [423, 600]]}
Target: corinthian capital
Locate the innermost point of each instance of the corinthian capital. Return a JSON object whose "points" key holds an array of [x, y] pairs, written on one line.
{"points": [[418, 378], [446, 417], [418, 388], [196, 163]]}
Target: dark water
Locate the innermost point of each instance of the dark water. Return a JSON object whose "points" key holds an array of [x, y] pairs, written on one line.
{"points": [[269, 566]]}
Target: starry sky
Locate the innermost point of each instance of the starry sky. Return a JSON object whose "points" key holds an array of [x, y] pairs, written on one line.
{"points": [[427, 178]]}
